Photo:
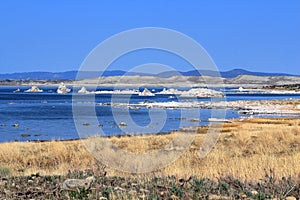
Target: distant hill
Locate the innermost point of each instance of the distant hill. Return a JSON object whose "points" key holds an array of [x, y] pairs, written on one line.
{"points": [[71, 75], [189, 73], [237, 72], [227, 74]]}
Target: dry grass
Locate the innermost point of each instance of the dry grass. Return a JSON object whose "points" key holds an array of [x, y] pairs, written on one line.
{"points": [[45, 157], [245, 150]]}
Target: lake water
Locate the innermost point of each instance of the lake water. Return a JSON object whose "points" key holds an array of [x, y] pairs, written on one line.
{"points": [[48, 115]]}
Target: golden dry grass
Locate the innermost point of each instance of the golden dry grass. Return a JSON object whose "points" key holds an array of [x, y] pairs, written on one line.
{"points": [[244, 150]]}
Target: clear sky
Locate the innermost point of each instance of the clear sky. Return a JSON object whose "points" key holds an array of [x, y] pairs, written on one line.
{"points": [[57, 35]]}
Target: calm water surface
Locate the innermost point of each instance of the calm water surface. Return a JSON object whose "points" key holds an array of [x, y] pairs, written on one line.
{"points": [[48, 115]]}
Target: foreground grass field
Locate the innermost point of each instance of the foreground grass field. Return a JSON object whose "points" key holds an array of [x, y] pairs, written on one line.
{"points": [[253, 159], [245, 150]]}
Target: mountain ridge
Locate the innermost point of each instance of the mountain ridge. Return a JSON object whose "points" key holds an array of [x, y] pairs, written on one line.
{"points": [[71, 75]]}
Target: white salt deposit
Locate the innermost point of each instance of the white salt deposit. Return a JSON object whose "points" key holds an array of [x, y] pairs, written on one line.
{"points": [[34, 89], [146, 92], [201, 92], [17, 90], [244, 107], [266, 91], [169, 91], [83, 90], [127, 91], [62, 89]]}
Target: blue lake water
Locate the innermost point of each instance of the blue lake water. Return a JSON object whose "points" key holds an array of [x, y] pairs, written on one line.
{"points": [[48, 115]]}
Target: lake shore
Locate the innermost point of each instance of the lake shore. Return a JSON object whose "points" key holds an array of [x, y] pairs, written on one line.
{"points": [[245, 148], [248, 81], [253, 159]]}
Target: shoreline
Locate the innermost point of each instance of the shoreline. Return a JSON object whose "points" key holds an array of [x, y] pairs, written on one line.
{"points": [[254, 143], [186, 129], [173, 81], [246, 109], [251, 86]]}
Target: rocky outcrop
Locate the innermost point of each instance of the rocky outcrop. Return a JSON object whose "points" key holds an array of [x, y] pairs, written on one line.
{"points": [[75, 184], [62, 89], [83, 90], [146, 92], [34, 89]]}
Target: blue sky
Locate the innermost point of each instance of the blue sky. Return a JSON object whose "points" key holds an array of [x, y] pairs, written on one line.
{"points": [[57, 35]]}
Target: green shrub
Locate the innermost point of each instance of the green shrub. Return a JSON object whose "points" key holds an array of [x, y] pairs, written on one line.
{"points": [[4, 172], [199, 185], [81, 194], [176, 191], [106, 192]]}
